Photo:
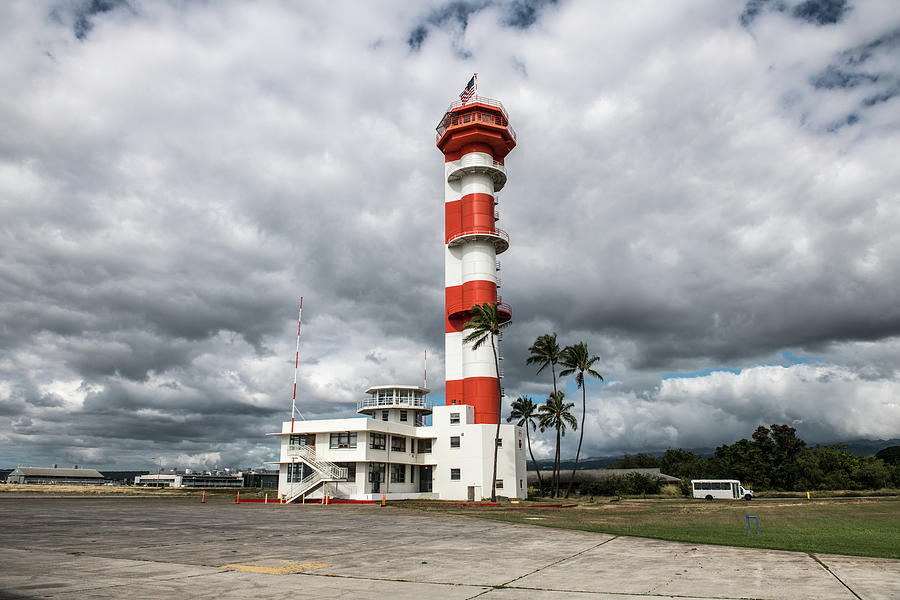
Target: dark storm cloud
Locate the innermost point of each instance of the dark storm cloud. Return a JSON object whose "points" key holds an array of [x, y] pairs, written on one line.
{"points": [[522, 14], [753, 8], [84, 11], [834, 77], [862, 68], [822, 12], [455, 15]]}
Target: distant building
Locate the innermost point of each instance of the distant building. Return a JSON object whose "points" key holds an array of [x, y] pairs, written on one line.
{"points": [[264, 478], [190, 480], [55, 476]]}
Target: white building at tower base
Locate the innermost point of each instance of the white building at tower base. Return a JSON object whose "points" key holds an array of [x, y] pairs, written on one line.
{"points": [[390, 452]]}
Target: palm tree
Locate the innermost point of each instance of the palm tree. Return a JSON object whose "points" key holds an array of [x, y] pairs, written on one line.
{"points": [[545, 351], [555, 413], [485, 325], [577, 359], [524, 409]]}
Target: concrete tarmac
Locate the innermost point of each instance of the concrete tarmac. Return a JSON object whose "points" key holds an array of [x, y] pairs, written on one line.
{"points": [[151, 548]]}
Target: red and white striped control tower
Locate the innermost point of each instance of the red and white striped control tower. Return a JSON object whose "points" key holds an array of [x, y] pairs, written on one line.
{"points": [[475, 137]]}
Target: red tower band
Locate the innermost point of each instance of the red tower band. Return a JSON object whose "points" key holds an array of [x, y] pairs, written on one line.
{"points": [[475, 137]]}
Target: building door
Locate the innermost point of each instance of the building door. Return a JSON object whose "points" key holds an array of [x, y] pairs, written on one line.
{"points": [[471, 493], [376, 476], [425, 478]]}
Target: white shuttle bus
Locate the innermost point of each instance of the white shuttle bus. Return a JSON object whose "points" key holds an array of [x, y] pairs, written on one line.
{"points": [[710, 489]]}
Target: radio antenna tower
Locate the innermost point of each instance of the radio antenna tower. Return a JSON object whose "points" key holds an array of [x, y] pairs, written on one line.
{"points": [[296, 364]]}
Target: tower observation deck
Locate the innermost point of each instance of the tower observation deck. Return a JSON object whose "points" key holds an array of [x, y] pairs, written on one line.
{"points": [[475, 138]]}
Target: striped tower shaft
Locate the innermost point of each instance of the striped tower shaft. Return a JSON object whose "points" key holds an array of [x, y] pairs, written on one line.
{"points": [[473, 173]]}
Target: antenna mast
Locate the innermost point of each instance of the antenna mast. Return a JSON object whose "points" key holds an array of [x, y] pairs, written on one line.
{"points": [[296, 364]]}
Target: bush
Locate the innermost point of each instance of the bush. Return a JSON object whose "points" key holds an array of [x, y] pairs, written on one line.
{"points": [[671, 490]]}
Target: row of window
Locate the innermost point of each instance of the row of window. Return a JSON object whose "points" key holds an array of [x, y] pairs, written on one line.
{"points": [[297, 471], [712, 485], [455, 442], [404, 417], [398, 473], [470, 117], [378, 441]]}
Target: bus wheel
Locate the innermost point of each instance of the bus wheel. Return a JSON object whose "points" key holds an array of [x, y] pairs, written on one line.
{"points": [[748, 497], [709, 498]]}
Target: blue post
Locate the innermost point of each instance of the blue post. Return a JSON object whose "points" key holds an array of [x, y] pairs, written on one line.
{"points": [[756, 520]]}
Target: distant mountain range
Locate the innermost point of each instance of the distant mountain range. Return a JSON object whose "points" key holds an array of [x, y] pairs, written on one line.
{"points": [[858, 447]]}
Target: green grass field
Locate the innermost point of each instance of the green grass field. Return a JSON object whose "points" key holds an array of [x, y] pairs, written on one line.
{"points": [[859, 527]]}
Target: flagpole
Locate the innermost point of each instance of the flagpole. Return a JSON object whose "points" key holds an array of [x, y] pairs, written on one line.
{"points": [[476, 85]]}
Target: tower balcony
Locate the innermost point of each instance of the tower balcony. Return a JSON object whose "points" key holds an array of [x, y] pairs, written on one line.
{"points": [[457, 106], [368, 403], [476, 163], [480, 120], [498, 237]]}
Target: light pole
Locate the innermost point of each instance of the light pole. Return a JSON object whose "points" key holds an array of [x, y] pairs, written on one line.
{"points": [[158, 468]]}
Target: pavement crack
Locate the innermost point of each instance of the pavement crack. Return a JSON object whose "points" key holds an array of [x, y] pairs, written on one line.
{"points": [[539, 569], [833, 574]]}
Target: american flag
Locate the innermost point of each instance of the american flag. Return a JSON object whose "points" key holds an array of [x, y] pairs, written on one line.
{"points": [[469, 91]]}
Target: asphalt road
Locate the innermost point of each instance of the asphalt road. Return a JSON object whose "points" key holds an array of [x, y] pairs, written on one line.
{"points": [[80, 547]]}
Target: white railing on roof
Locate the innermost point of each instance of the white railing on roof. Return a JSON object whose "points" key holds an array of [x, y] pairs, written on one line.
{"points": [[369, 402], [479, 100]]}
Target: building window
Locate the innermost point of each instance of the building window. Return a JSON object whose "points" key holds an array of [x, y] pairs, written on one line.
{"points": [[521, 484], [454, 441], [384, 415], [412, 473], [376, 472], [403, 416], [398, 473], [398, 443], [351, 469], [424, 446], [377, 441], [419, 420], [295, 472], [454, 418], [499, 442], [344, 439], [454, 474], [303, 439], [499, 484], [520, 444]]}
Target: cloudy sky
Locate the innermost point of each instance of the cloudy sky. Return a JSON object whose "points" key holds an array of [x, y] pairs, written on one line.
{"points": [[707, 193]]}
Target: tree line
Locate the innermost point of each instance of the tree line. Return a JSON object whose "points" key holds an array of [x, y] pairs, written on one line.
{"points": [[774, 458]]}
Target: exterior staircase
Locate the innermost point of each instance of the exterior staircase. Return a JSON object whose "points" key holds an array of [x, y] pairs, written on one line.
{"points": [[322, 471]]}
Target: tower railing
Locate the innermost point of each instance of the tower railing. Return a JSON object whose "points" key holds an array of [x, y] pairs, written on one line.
{"points": [[369, 402], [479, 100], [481, 231], [447, 122], [475, 162]]}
